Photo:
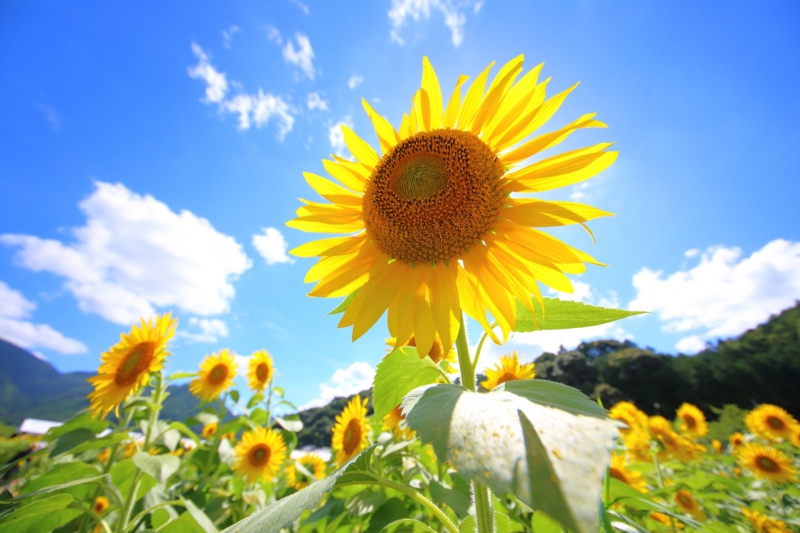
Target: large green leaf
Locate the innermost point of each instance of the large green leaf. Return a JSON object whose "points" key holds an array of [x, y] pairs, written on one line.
{"points": [[84, 420], [399, 373], [552, 394], [200, 516], [29, 517], [482, 437], [457, 497], [68, 441], [564, 314], [286, 510], [122, 475], [61, 486], [159, 467]]}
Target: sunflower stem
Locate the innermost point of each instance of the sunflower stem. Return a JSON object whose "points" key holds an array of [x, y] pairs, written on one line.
{"points": [[465, 366], [484, 518]]}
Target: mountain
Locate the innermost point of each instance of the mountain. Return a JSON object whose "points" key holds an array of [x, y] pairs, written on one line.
{"points": [[32, 388]]}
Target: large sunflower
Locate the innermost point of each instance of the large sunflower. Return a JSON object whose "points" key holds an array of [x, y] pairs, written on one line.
{"points": [[508, 369], [260, 453], [432, 225], [771, 422], [619, 470], [313, 463], [216, 375], [260, 370], [766, 462], [630, 415], [126, 366], [351, 430], [692, 420], [680, 447]]}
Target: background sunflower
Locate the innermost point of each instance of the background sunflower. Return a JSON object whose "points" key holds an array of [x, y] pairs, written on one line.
{"points": [[216, 375], [260, 370], [351, 431], [259, 454]]}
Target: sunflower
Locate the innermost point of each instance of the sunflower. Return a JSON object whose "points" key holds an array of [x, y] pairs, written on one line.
{"points": [[736, 439], [259, 454], [692, 420], [104, 455], [216, 375], [763, 524], [680, 448], [665, 519], [508, 369], [260, 371], [771, 422], [629, 414], [717, 445], [432, 226], [100, 504], [126, 366], [351, 430], [313, 463], [209, 430], [686, 502], [766, 462], [619, 470], [395, 422], [637, 444]]}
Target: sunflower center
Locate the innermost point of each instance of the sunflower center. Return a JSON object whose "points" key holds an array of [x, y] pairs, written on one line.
{"points": [[685, 501], [262, 372], [433, 196], [767, 465], [218, 374], [136, 361], [775, 423], [259, 455], [352, 436], [690, 421]]}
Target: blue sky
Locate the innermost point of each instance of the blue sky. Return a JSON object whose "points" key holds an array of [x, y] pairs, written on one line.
{"points": [[151, 154]]}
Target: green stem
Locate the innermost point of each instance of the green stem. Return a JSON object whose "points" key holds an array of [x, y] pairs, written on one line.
{"points": [[659, 474], [215, 439], [93, 514], [411, 493], [483, 508], [465, 365], [149, 510], [480, 348]]}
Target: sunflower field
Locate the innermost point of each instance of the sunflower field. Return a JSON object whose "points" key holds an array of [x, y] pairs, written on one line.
{"points": [[439, 225]]}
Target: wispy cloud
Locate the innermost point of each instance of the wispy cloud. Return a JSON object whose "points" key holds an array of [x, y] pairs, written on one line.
{"points": [[272, 246], [344, 382], [50, 114], [454, 18], [315, 101], [135, 255], [301, 6], [301, 56], [336, 137], [207, 329], [227, 35], [216, 82], [354, 81]]}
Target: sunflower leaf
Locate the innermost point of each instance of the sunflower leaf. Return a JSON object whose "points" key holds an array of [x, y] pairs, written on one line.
{"points": [[399, 373], [483, 437], [552, 394], [159, 467], [342, 307], [286, 510], [564, 314]]}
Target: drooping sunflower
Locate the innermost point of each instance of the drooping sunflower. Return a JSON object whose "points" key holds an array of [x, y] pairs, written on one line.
{"points": [[435, 222], [686, 502], [679, 447], [311, 462], [692, 420], [100, 505], [260, 370], [764, 524], [216, 375], [771, 422], [766, 462], [619, 470], [437, 353], [350, 431], [126, 367], [259, 454], [209, 430], [394, 421], [637, 444], [629, 414], [508, 369]]}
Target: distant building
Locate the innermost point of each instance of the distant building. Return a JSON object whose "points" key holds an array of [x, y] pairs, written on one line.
{"points": [[34, 426]]}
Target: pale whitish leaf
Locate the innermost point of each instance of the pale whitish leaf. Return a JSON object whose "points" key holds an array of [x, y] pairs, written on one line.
{"points": [[159, 467], [286, 510], [564, 314], [183, 428], [552, 394], [199, 516], [482, 437], [399, 373], [289, 425], [170, 439]]}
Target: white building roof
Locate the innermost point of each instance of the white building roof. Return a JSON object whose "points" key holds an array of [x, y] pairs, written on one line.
{"points": [[34, 426]]}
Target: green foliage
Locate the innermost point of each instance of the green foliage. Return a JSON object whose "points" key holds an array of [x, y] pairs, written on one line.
{"points": [[399, 373], [564, 314], [731, 420]]}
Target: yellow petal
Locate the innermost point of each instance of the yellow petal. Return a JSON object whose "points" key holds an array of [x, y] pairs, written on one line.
{"points": [[541, 213], [414, 115], [387, 136], [430, 84], [313, 225], [347, 176], [442, 291], [512, 108], [360, 148], [565, 169], [473, 99], [496, 93], [454, 105], [405, 127], [325, 247], [548, 140], [424, 329], [517, 127]]}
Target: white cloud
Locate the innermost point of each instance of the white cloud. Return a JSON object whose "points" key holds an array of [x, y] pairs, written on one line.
{"points": [[252, 109], [691, 344], [302, 6], [227, 35], [354, 81], [210, 330], [216, 82], [135, 254], [14, 310], [50, 114], [274, 35], [336, 137], [725, 294], [344, 382], [454, 19], [302, 56], [272, 246], [315, 101]]}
